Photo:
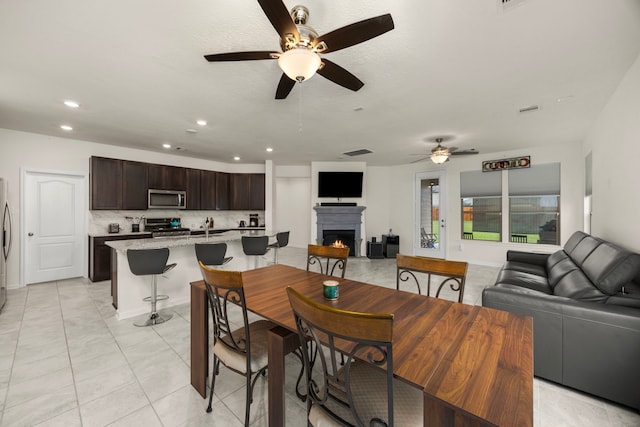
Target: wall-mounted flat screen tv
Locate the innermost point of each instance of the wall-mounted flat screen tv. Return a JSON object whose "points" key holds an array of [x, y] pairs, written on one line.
{"points": [[340, 184]]}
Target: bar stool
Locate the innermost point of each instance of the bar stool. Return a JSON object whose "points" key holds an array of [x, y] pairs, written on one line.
{"points": [[255, 246], [151, 262], [212, 253], [282, 240]]}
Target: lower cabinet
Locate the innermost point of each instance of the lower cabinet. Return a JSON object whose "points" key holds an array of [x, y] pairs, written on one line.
{"points": [[100, 255]]}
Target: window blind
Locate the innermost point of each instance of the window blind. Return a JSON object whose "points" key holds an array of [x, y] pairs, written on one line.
{"points": [[480, 184], [538, 180]]}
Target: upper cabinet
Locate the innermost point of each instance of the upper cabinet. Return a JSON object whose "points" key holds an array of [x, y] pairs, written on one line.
{"points": [[194, 180], [134, 185], [105, 176], [247, 191], [123, 185], [163, 177]]}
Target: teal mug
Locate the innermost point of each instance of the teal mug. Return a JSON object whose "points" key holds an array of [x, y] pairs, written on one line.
{"points": [[331, 289]]}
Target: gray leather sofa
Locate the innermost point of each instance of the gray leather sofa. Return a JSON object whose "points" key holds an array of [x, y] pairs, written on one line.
{"points": [[585, 304]]}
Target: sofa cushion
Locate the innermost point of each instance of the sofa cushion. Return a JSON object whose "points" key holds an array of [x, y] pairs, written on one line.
{"points": [[610, 267], [573, 241], [524, 279], [576, 285], [583, 249], [524, 267]]}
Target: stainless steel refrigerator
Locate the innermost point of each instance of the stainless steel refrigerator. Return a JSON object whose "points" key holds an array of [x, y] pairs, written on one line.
{"points": [[6, 240]]}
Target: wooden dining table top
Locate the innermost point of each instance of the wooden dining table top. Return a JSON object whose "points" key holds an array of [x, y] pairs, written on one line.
{"points": [[476, 359]]}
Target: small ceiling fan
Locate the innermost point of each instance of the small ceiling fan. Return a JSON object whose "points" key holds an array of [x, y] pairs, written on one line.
{"points": [[301, 46], [441, 154]]}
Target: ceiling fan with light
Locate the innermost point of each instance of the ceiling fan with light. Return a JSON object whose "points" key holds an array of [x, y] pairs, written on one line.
{"points": [[440, 153], [301, 46]]}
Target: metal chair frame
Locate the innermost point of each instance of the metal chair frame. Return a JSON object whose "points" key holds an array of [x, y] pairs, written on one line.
{"points": [[225, 291], [282, 240], [454, 273], [331, 256], [324, 326]]}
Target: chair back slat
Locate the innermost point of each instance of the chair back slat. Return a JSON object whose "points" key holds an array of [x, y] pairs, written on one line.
{"points": [[225, 290], [328, 259], [454, 273], [359, 335]]}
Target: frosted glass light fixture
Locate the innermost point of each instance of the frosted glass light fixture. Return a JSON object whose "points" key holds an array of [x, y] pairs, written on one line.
{"points": [[299, 63]]}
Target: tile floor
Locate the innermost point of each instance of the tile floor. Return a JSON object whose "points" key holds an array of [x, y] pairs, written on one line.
{"points": [[65, 360]]}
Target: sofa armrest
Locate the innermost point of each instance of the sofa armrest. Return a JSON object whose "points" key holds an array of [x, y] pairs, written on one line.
{"points": [[547, 323], [528, 257]]}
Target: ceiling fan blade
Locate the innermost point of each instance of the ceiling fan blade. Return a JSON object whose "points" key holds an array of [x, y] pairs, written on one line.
{"points": [[242, 56], [465, 152], [419, 160], [355, 33], [279, 17], [339, 75], [284, 87]]}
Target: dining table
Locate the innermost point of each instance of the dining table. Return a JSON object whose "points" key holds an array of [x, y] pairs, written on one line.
{"points": [[474, 365]]}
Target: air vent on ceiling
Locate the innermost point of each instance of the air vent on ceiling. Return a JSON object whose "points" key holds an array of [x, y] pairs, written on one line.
{"points": [[529, 109], [358, 152], [509, 4]]}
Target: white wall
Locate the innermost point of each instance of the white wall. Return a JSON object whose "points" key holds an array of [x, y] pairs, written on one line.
{"points": [[615, 144], [34, 151]]}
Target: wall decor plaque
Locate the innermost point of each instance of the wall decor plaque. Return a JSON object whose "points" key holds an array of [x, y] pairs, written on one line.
{"points": [[502, 164]]}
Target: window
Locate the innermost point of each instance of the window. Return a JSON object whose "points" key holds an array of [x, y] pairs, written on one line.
{"points": [[481, 202], [534, 204]]}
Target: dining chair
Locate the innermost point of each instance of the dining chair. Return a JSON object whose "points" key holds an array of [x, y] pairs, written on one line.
{"points": [[411, 267], [255, 246], [212, 253], [151, 262], [243, 350], [282, 240], [363, 391], [328, 258]]}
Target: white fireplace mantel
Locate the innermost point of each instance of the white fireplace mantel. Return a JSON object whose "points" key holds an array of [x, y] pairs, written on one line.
{"points": [[340, 218]]}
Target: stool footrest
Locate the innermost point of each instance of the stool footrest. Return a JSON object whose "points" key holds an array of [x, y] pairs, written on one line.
{"points": [[158, 298]]}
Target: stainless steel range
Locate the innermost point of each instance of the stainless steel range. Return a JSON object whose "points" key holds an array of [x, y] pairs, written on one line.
{"points": [[165, 227]]}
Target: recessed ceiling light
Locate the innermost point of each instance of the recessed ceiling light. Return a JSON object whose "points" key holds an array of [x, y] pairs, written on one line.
{"points": [[358, 109], [269, 149], [166, 145], [66, 127], [71, 104], [202, 122], [236, 158], [191, 131]]}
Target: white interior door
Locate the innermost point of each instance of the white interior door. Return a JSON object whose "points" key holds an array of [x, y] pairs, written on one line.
{"points": [[54, 226], [292, 201], [430, 220]]}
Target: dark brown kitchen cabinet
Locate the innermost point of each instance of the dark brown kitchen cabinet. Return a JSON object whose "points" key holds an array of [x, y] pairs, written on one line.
{"points": [[223, 195], [194, 180], [163, 177], [100, 255], [105, 176], [240, 191], [134, 185], [208, 190], [257, 191], [247, 191]]}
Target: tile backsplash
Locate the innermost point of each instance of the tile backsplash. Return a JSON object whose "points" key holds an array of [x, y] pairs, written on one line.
{"points": [[99, 220]]}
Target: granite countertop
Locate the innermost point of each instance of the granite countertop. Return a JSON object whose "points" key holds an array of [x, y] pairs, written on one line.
{"points": [[178, 241], [106, 234]]}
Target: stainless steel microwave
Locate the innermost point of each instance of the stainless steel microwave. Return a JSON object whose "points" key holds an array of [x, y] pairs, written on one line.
{"points": [[167, 199]]}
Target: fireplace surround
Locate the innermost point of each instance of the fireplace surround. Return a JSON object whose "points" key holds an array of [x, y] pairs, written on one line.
{"points": [[336, 218]]}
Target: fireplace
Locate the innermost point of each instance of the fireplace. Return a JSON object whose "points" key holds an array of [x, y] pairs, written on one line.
{"points": [[340, 220], [346, 237]]}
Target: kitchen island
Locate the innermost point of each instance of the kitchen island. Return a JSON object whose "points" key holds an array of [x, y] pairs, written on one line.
{"points": [[129, 290]]}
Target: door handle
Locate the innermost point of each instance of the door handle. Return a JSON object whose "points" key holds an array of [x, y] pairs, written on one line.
{"points": [[30, 234]]}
